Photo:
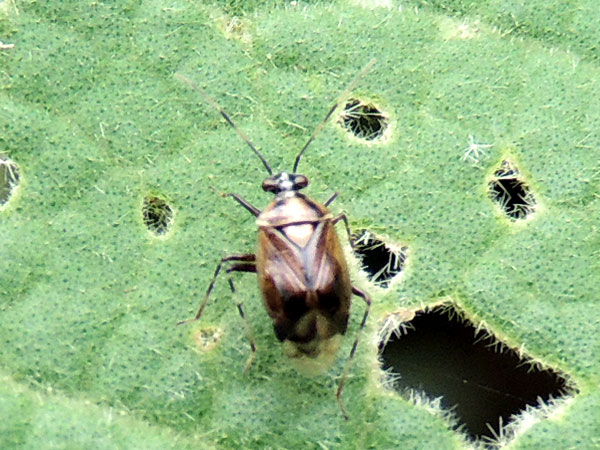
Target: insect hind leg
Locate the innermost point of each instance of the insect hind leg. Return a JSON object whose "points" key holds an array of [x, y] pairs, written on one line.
{"points": [[249, 333], [243, 258], [367, 299]]}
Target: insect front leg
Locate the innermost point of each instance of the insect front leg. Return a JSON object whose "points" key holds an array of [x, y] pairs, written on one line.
{"points": [[248, 258], [240, 308], [367, 299], [253, 210], [331, 199]]}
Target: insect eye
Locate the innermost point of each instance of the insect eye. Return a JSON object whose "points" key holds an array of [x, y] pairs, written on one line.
{"points": [[300, 181], [269, 185]]}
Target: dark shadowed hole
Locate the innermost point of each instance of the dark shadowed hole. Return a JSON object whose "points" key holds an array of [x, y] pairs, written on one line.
{"points": [[9, 179], [363, 120], [511, 193], [158, 215], [379, 261], [480, 380]]}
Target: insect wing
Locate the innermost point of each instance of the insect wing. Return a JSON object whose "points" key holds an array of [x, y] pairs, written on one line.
{"points": [[297, 280], [326, 269], [280, 270]]}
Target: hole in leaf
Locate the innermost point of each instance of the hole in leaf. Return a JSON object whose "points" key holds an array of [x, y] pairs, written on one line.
{"points": [[484, 383], [207, 338], [157, 214], [9, 179], [363, 120], [234, 27], [379, 260], [511, 193]]}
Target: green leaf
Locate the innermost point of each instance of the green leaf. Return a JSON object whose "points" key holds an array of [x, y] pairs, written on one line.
{"points": [[95, 120]]}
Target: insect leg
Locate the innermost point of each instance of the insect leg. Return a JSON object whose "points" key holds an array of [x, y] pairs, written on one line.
{"points": [[345, 219], [253, 210], [250, 257], [243, 315], [331, 199], [367, 299]]}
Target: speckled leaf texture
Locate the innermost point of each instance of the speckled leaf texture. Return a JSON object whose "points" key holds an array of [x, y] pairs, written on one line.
{"points": [[92, 114]]}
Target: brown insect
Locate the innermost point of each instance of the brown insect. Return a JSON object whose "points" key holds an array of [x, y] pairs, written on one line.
{"points": [[300, 264]]}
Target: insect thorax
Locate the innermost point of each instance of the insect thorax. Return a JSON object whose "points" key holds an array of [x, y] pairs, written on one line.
{"points": [[291, 207]]}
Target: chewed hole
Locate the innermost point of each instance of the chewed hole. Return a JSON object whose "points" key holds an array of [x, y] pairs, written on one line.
{"points": [[363, 120], [382, 262], [487, 386], [9, 179], [207, 338], [158, 215], [511, 193], [234, 25], [235, 28]]}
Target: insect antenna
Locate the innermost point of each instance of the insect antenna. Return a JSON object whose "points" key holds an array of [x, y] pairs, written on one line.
{"points": [[215, 105], [340, 98]]}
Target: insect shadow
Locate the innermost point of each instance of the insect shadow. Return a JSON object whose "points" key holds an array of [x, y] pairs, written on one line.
{"points": [[300, 264]]}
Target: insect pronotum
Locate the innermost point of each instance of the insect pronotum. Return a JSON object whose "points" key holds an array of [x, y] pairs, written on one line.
{"points": [[300, 264]]}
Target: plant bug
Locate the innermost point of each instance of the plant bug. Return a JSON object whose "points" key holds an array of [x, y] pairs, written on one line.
{"points": [[300, 264]]}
